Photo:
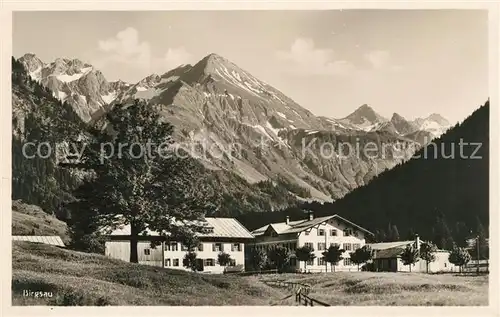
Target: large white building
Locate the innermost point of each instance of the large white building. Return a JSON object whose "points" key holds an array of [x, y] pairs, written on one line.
{"points": [[319, 234], [226, 235]]}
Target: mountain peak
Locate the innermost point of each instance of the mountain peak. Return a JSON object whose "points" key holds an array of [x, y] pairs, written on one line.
{"points": [[436, 117], [364, 117], [31, 62], [397, 117], [213, 61]]}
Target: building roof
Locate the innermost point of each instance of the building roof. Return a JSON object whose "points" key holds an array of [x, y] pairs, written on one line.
{"points": [[388, 253], [388, 245], [302, 225], [222, 228], [52, 240]]}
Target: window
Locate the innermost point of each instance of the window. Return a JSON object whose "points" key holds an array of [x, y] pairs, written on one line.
{"points": [[217, 247], [334, 245], [172, 246], [200, 247], [355, 246], [236, 247], [445, 264], [356, 234], [168, 262], [176, 262], [209, 262], [232, 262], [321, 232], [307, 232], [321, 246], [333, 232], [347, 232], [347, 261], [309, 245], [310, 262], [321, 261], [147, 252], [347, 247], [184, 247]]}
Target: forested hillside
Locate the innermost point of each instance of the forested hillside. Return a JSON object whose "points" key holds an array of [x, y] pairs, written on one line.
{"points": [[443, 195], [40, 122]]}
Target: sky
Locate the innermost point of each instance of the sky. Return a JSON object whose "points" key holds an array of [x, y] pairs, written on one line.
{"points": [[413, 62]]}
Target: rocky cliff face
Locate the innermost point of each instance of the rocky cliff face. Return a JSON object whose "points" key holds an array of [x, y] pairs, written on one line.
{"points": [[74, 82]]}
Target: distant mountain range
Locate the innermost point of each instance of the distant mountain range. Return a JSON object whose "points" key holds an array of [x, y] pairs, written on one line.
{"points": [[442, 195], [216, 104]]}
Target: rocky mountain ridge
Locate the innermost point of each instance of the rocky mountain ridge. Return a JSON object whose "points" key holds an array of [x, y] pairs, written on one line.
{"points": [[238, 124]]}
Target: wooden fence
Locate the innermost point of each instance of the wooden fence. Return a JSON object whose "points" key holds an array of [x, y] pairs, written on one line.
{"points": [[301, 292], [273, 271]]}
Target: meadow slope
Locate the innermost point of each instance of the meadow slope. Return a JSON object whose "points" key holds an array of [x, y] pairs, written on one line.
{"points": [[77, 278]]}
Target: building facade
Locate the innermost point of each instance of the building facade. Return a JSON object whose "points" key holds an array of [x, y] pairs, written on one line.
{"points": [[317, 233], [226, 235]]}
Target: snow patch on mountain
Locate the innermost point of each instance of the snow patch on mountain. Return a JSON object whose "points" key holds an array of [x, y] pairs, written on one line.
{"points": [[108, 98]]}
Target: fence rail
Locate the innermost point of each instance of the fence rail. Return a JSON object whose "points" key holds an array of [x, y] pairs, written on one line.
{"points": [[273, 271], [301, 292]]}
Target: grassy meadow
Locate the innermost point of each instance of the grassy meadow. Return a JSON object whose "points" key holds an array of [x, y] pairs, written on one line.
{"points": [[77, 279], [393, 289]]}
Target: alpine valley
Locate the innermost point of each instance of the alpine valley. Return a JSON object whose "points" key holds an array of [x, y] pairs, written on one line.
{"points": [[263, 150]]}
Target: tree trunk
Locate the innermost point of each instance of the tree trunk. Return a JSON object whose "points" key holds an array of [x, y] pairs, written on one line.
{"points": [[134, 237], [409, 267], [358, 267], [334, 267], [427, 267]]}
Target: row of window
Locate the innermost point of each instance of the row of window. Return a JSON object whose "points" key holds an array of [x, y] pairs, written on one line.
{"points": [[333, 232], [206, 262], [321, 261], [321, 246], [345, 246], [216, 247], [290, 246]]}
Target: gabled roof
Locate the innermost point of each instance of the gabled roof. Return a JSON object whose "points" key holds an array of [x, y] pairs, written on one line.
{"points": [[302, 225], [222, 228], [389, 253], [52, 240], [388, 245]]}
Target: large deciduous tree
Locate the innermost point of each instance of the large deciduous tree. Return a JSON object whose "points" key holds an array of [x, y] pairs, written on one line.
{"points": [[140, 177]]}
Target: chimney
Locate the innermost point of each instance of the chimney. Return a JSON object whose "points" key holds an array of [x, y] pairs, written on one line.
{"points": [[311, 215], [417, 241], [287, 220]]}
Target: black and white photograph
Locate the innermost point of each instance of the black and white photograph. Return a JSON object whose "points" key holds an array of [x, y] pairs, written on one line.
{"points": [[336, 157]]}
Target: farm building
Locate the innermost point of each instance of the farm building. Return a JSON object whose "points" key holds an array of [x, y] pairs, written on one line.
{"points": [[318, 233], [52, 240], [387, 258], [225, 235]]}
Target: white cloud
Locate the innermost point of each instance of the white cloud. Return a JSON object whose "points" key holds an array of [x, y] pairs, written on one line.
{"points": [[378, 58], [310, 60], [177, 56], [126, 48]]}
